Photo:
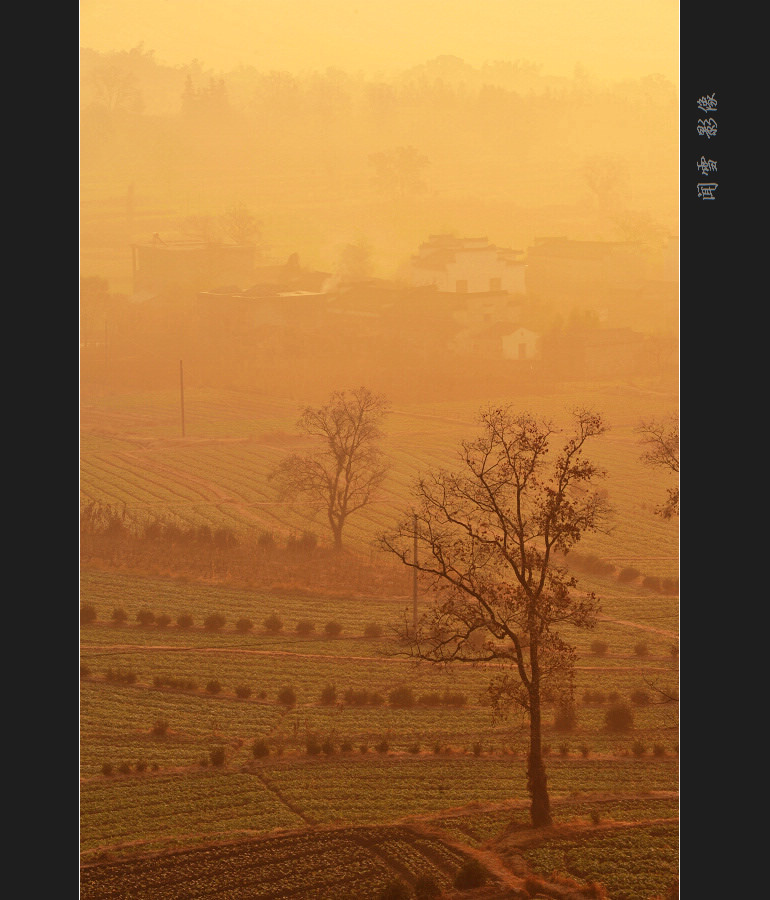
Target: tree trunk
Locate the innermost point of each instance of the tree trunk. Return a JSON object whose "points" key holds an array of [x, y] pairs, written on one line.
{"points": [[537, 781]]}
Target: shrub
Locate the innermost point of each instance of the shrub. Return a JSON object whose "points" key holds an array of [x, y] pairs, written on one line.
{"points": [[213, 687], [565, 718], [162, 620], [619, 717], [217, 756], [426, 888], [599, 648], [87, 614], [585, 751], [124, 768], [244, 626], [629, 573], [329, 695], [652, 582], [376, 699], [328, 746], [141, 765], [356, 698], [119, 616], [273, 624], [658, 750], [107, 769], [383, 746], [373, 630], [640, 698], [333, 629], [477, 748], [312, 745], [669, 586], [414, 748], [85, 670], [401, 697], [243, 692], [214, 622], [266, 542], [563, 749], [184, 620], [260, 749], [287, 696], [145, 617], [395, 890], [363, 748], [641, 649], [638, 748], [160, 727], [595, 817], [204, 762], [471, 875], [346, 747], [674, 650], [431, 699], [453, 699], [546, 749], [613, 696], [305, 627]]}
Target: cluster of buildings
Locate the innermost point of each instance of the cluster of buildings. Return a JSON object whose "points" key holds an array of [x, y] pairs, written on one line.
{"points": [[462, 297]]}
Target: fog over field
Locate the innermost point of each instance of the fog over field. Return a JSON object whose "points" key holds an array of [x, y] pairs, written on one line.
{"points": [[425, 219]]}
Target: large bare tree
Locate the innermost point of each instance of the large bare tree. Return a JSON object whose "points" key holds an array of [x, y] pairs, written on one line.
{"points": [[660, 438], [343, 473], [487, 537]]}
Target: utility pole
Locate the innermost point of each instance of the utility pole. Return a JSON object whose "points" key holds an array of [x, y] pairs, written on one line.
{"points": [[414, 577], [181, 392]]}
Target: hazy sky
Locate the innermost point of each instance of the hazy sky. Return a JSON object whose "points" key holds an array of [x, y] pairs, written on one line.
{"points": [[610, 38]]}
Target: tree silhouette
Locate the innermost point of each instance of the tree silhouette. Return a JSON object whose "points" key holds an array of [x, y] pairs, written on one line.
{"points": [[487, 536], [342, 475]]}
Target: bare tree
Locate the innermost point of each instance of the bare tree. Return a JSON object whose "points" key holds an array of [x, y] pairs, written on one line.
{"points": [[661, 440], [487, 536], [240, 225], [342, 475]]}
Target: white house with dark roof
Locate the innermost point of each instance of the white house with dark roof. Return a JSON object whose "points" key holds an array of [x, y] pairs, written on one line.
{"points": [[467, 266]]}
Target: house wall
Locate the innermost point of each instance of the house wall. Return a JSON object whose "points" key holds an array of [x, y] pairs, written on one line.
{"points": [[520, 344]]}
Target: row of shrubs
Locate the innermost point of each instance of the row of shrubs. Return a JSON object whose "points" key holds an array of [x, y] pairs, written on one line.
{"points": [[618, 718], [600, 648], [593, 565], [273, 624], [400, 698]]}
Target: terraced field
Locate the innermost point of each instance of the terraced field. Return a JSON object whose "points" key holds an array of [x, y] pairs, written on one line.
{"points": [[198, 780]]}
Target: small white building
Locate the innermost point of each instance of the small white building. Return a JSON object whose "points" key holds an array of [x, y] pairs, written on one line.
{"points": [[521, 344], [467, 266]]}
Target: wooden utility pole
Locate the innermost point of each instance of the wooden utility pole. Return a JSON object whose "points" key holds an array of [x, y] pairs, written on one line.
{"points": [[414, 577], [181, 392]]}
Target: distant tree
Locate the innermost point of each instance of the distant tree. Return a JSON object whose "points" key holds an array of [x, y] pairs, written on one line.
{"points": [[488, 533], [399, 172], [203, 228], [115, 88], [239, 225], [343, 474], [607, 177], [661, 440], [356, 261]]}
